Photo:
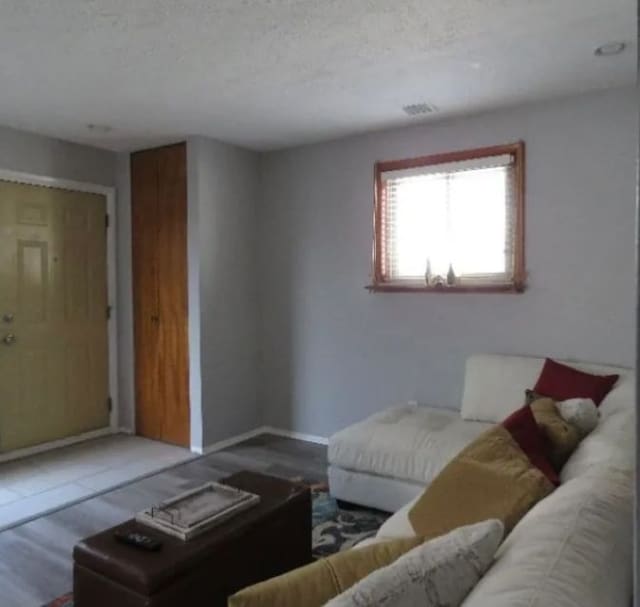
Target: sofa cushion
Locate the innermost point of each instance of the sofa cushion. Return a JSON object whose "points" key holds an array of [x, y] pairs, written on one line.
{"points": [[317, 583], [611, 446], [562, 382], [607, 450], [491, 478], [436, 573], [407, 442], [494, 385], [573, 549], [398, 525]]}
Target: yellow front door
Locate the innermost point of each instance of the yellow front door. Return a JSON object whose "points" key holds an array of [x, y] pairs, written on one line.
{"points": [[53, 322]]}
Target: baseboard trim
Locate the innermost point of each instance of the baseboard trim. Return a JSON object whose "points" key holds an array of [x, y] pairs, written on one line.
{"points": [[309, 438], [56, 444], [229, 442]]}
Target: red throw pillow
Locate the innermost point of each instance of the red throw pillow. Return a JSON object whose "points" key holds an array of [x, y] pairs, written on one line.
{"points": [[560, 382], [525, 431]]}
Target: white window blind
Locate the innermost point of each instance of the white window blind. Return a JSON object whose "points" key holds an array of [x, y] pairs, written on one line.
{"points": [[457, 215]]}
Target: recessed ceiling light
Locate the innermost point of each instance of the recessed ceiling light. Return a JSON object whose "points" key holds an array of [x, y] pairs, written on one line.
{"points": [[419, 109], [103, 129], [610, 49]]}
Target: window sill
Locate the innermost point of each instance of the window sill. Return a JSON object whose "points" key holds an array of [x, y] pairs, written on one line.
{"points": [[416, 288]]}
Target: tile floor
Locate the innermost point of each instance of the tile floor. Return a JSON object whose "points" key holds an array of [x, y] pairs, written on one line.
{"points": [[36, 485]]}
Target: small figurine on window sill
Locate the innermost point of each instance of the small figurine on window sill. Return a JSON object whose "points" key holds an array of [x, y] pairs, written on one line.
{"points": [[451, 276], [428, 276]]}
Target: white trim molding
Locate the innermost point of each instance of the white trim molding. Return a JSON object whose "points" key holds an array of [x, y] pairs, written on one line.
{"points": [[309, 438], [110, 194], [229, 442]]}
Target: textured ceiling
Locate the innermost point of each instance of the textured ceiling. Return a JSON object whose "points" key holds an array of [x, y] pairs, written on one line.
{"points": [[274, 73]]}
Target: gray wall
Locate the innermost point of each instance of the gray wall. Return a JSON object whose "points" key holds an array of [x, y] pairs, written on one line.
{"points": [[29, 153], [636, 542], [224, 185], [126, 412], [294, 229], [331, 353]]}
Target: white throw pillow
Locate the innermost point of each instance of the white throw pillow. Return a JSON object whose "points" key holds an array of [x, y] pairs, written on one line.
{"points": [[438, 573], [581, 413]]}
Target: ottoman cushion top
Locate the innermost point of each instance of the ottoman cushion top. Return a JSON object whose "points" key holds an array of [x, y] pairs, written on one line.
{"points": [[408, 442]]}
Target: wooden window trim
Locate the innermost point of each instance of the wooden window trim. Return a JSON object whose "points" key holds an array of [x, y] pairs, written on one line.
{"points": [[518, 285]]}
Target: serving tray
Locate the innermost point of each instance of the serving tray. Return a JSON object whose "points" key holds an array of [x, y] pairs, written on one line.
{"points": [[196, 511]]}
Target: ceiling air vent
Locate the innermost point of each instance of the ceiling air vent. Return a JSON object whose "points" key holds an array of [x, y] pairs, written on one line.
{"points": [[419, 109]]}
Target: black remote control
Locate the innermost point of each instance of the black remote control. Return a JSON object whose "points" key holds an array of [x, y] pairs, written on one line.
{"points": [[138, 540]]}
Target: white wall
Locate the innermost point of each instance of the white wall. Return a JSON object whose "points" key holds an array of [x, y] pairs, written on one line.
{"points": [[224, 188], [331, 353]]}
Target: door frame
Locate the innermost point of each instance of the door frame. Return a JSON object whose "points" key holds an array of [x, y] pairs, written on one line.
{"points": [[112, 278]]}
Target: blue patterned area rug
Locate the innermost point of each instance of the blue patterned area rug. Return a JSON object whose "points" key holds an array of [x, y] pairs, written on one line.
{"points": [[334, 529]]}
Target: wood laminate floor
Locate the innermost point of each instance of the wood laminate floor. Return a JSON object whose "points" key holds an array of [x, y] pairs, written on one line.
{"points": [[35, 558]]}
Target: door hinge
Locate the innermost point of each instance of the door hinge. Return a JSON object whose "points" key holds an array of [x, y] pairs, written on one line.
{"points": [[106, 220], [109, 308], [109, 404]]}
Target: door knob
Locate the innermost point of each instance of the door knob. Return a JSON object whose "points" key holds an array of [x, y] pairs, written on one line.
{"points": [[9, 339], [8, 317]]}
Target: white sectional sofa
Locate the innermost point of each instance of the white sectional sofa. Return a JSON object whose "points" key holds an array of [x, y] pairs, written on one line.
{"points": [[389, 458], [573, 549]]}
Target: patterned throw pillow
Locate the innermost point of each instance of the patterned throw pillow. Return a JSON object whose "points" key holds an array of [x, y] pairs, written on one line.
{"points": [[439, 573], [564, 424], [562, 437]]}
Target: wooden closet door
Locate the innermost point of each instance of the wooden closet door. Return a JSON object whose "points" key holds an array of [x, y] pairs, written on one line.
{"points": [[159, 213], [172, 292]]}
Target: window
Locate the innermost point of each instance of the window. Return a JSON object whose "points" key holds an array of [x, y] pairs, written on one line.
{"points": [[451, 222]]}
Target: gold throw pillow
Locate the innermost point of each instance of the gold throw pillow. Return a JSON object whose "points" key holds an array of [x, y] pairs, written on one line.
{"points": [[317, 583], [491, 478]]}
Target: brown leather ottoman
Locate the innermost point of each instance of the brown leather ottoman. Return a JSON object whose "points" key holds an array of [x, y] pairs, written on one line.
{"points": [[266, 540]]}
